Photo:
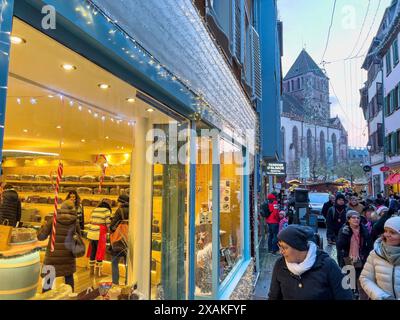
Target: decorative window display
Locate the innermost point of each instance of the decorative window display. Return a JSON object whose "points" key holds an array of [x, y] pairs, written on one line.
{"points": [[231, 210]]}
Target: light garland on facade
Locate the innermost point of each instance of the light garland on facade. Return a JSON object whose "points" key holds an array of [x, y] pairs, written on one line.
{"points": [[230, 98]]}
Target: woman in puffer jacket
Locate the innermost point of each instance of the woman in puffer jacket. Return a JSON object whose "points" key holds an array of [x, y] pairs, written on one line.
{"points": [[380, 277]]}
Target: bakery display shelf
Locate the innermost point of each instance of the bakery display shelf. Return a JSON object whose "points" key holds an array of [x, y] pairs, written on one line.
{"points": [[64, 195], [27, 205], [70, 183]]}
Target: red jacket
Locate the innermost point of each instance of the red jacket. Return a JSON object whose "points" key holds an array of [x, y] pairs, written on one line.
{"points": [[274, 216]]}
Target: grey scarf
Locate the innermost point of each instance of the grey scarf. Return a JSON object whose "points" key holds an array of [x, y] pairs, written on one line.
{"points": [[391, 253]]}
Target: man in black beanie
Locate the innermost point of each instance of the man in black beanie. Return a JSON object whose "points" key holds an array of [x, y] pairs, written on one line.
{"points": [[304, 272], [336, 218]]}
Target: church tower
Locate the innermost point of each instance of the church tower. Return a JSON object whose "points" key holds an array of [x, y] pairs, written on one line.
{"points": [[309, 84]]}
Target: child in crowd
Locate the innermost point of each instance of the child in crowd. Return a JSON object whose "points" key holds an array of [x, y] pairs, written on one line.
{"points": [[283, 220]]}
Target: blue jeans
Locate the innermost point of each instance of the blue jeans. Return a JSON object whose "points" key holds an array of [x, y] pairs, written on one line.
{"points": [[273, 229], [115, 268]]}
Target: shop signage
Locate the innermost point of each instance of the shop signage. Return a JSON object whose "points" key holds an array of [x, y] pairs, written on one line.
{"points": [[367, 168], [276, 169], [384, 169]]}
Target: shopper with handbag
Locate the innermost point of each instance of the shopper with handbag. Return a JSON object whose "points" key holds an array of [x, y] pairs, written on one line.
{"points": [[119, 236], [353, 244], [63, 258], [97, 234]]}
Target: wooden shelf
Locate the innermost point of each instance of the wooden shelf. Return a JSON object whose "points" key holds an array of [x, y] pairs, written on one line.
{"points": [[64, 195], [70, 183]]}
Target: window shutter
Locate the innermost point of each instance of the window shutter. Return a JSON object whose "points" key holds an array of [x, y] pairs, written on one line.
{"points": [[257, 76], [380, 135], [237, 30]]}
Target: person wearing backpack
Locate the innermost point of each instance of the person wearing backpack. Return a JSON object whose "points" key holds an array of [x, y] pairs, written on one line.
{"points": [[119, 246], [272, 219]]}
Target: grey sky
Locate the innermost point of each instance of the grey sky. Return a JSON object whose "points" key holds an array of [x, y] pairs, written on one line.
{"points": [[306, 24]]}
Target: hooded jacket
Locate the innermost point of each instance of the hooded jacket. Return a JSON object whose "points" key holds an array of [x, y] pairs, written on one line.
{"points": [[274, 209], [322, 282], [10, 208], [61, 258], [379, 278]]}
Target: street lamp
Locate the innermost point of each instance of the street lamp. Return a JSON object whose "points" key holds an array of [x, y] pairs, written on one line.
{"points": [[369, 146]]}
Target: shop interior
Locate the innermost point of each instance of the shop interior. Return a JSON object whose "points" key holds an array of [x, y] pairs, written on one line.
{"points": [[63, 108]]}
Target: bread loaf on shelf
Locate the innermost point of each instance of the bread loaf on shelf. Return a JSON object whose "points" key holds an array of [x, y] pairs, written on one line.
{"points": [[71, 178], [27, 177], [13, 177], [114, 191], [88, 178], [122, 178], [42, 178], [106, 178], [84, 190]]}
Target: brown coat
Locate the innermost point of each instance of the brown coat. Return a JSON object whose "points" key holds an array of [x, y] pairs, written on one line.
{"points": [[61, 258]]}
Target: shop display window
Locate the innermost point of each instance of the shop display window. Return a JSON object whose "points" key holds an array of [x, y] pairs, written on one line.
{"points": [[203, 220], [62, 108], [231, 208], [169, 241]]}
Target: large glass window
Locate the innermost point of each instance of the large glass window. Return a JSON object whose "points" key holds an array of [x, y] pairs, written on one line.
{"points": [[62, 108], [231, 209], [203, 260]]}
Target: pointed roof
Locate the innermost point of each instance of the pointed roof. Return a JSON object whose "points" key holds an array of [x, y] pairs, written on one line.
{"points": [[304, 64]]}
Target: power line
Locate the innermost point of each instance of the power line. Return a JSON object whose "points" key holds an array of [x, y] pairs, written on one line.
{"points": [[329, 31], [370, 29], [361, 30]]}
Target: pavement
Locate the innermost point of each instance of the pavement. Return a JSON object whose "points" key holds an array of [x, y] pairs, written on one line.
{"points": [[267, 262]]}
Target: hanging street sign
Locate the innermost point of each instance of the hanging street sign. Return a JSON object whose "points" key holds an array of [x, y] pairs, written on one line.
{"points": [[276, 169]]}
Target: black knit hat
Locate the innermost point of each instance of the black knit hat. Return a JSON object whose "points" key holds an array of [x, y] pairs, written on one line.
{"points": [[123, 198], [296, 236], [340, 196]]}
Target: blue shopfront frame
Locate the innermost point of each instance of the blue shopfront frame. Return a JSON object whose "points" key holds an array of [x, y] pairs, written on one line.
{"points": [[92, 42]]}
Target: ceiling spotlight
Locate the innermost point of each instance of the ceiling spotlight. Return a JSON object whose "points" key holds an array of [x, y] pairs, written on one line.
{"points": [[96, 115], [80, 108], [112, 119], [68, 67], [50, 96], [25, 130], [90, 111], [71, 103], [130, 100], [18, 100], [17, 40], [150, 110], [58, 127], [33, 101], [103, 118], [104, 86], [107, 137], [83, 140]]}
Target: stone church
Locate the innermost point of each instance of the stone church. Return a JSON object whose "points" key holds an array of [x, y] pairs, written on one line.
{"points": [[308, 131]]}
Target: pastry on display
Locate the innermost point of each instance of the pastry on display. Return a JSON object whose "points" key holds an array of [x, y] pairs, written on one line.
{"points": [[13, 177], [23, 235], [71, 178], [27, 177], [88, 178], [122, 178], [42, 178], [84, 190]]}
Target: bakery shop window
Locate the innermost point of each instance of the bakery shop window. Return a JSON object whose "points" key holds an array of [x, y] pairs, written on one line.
{"points": [[169, 240], [231, 208], [63, 109], [203, 221]]}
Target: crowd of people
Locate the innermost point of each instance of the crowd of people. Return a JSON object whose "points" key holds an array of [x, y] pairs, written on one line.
{"points": [[366, 235]]}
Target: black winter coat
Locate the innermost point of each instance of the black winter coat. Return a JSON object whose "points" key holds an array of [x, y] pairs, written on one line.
{"points": [[10, 208], [322, 282], [343, 244], [327, 205], [61, 258], [333, 224]]}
